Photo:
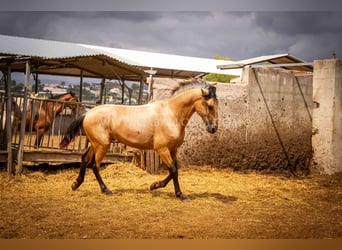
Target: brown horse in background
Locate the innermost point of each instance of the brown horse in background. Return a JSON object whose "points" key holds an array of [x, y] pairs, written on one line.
{"points": [[158, 125], [40, 115]]}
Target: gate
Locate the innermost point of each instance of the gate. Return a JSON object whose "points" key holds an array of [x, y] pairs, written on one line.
{"points": [[26, 151]]}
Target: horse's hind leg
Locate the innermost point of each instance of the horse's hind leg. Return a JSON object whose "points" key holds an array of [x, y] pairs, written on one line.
{"points": [[100, 153], [87, 158]]}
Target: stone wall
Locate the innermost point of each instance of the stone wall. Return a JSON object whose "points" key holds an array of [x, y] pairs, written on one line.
{"points": [[222, 149], [248, 138], [279, 118]]}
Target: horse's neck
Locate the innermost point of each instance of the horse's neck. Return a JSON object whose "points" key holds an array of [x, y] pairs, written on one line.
{"points": [[52, 108], [183, 104], [58, 107]]}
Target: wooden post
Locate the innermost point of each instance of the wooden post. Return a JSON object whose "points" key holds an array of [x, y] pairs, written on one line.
{"points": [[81, 85], [23, 118], [36, 81], [152, 161], [156, 162], [150, 89], [10, 168], [123, 91], [142, 159], [141, 91], [103, 83], [150, 83], [130, 96]]}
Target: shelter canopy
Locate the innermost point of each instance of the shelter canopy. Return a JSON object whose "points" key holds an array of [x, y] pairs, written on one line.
{"points": [[61, 58], [167, 65], [70, 59], [285, 61]]}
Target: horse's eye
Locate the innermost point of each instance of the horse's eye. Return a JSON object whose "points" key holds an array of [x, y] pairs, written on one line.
{"points": [[210, 108]]}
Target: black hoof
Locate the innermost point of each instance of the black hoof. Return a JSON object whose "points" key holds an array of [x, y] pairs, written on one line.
{"points": [[155, 185], [107, 192], [74, 186]]}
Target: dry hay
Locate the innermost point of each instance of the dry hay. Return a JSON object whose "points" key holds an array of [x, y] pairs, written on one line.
{"points": [[223, 204]]}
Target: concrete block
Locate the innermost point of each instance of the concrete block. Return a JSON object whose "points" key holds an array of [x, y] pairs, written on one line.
{"points": [[327, 116]]}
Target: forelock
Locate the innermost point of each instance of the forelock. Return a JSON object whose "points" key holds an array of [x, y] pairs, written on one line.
{"points": [[212, 92]]}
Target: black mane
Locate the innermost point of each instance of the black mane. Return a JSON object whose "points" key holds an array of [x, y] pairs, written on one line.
{"points": [[63, 94], [194, 83]]}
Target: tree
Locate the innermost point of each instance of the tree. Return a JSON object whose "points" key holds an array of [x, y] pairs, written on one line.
{"points": [[219, 77]]}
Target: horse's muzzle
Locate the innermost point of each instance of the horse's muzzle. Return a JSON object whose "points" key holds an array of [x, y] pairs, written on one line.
{"points": [[211, 129]]}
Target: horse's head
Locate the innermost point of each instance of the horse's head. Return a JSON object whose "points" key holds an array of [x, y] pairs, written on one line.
{"points": [[70, 97], [207, 107]]}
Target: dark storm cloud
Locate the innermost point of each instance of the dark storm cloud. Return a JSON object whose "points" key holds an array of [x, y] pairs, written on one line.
{"points": [[174, 5], [28, 24], [240, 35], [129, 16], [293, 23], [37, 23], [310, 35]]}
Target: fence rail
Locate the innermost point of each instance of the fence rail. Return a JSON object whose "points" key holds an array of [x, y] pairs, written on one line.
{"points": [[48, 149]]}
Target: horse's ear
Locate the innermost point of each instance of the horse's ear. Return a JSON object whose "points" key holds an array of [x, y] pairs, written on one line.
{"points": [[205, 91], [213, 84]]}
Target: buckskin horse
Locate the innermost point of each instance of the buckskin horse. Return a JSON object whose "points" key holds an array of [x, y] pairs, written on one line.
{"points": [[158, 125], [40, 115]]}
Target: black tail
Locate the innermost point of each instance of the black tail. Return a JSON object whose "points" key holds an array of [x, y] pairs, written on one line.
{"points": [[71, 131]]}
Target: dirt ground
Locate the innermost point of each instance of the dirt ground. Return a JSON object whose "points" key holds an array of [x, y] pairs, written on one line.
{"points": [[223, 204]]}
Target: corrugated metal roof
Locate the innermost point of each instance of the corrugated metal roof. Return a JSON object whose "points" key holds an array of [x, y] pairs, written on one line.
{"points": [[161, 61], [42, 48], [61, 58], [54, 55]]}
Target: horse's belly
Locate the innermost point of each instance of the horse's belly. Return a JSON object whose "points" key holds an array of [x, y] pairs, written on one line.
{"points": [[136, 139]]}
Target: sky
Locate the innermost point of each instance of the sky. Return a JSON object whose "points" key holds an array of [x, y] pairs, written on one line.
{"points": [[239, 35]]}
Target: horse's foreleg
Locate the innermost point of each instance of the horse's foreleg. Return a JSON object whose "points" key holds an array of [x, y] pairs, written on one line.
{"points": [[39, 136], [38, 139], [87, 158], [100, 153], [172, 165]]}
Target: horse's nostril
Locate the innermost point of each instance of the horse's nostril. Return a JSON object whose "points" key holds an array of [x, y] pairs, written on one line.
{"points": [[212, 129]]}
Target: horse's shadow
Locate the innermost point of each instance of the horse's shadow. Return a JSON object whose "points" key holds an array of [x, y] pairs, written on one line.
{"points": [[192, 196], [217, 196]]}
